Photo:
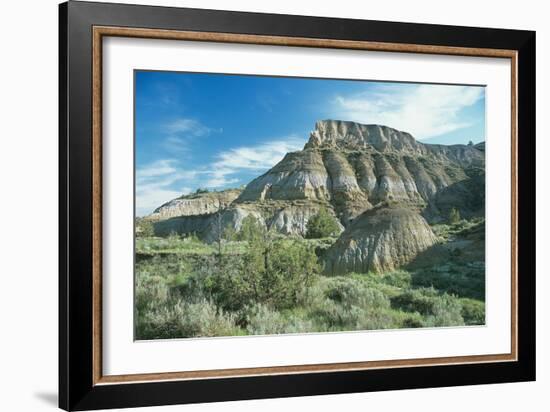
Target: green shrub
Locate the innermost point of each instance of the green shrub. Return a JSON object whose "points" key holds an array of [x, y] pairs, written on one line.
{"points": [[261, 320], [203, 318], [336, 317], [437, 309], [275, 272], [454, 216], [349, 291], [351, 304], [446, 311], [322, 225], [229, 234], [416, 300], [473, 311], [264, 283], [150, 292], [144, 228], [464, 280], [274, 269], [184, 320], [251, 230], [412, 322]]}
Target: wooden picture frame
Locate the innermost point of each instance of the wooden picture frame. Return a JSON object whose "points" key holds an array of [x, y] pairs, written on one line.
{"points": [[82, 385]]}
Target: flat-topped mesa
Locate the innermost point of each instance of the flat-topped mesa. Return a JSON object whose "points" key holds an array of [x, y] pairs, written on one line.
{"points": [[344, 134]]}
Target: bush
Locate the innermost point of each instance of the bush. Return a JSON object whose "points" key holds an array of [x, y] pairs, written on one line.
{"points": [[351, 292], [321, 225], [227, 285], [463, 280], [251, 230], [396, 279], [473, 312], [185, 320], [271, 285], [454, 216], [262, 320], [144, 228], [337, 317], [290, 268], [351, 304], [272, 272], [437, 309], [203, 318], [446, 311]]}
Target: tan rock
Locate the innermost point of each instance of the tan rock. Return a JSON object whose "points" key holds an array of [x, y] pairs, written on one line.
{"points": [[381, 239]]}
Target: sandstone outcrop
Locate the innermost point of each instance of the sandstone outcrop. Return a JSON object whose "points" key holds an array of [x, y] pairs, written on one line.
{"points": [[354, 167], [350, 169], [381, 239], [195, 204]]}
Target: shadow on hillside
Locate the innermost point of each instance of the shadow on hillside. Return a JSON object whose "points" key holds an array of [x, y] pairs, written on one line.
{"points": [[182, 225], [456, 267], [468, 196]]}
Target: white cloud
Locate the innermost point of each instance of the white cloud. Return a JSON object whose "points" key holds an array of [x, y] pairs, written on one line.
{"points": [[250, 159], [423, 110], [158, 168], [149, 200], [179, 132], [188, 126], [157, 183], [164, 180]]}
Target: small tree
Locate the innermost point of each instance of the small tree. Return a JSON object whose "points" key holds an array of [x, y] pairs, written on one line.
{"points": [[144, 228], [229, 233], [274, 271], [251, 230], [454, 216], [323, 224]]}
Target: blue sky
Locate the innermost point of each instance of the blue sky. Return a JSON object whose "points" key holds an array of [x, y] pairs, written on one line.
{"points": [[218, 131]]}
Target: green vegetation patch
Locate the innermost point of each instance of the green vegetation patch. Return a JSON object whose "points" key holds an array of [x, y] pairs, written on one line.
{"points": [[256, 282]]}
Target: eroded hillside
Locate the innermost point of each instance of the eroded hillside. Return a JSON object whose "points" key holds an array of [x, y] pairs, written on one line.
{"points": [[361, 174]]}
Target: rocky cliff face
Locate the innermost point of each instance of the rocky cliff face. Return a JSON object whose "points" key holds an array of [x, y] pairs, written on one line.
{"points": [[348, 168], [195, 204], [353, 167]]}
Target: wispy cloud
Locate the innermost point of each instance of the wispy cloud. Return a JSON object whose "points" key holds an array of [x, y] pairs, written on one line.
{"points": [[188, 126], [158, 168], [149, 200], [159, 182], [179, 133], [423, 110], [250, 159], [165, 179]]}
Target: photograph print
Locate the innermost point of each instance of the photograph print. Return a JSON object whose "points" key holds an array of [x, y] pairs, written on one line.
{"points": [[283, 205]]}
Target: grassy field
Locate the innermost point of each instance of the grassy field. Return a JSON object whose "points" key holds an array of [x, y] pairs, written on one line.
{"points": [[186, 288]]}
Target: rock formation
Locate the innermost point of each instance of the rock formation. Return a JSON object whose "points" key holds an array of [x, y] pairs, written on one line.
{"points": [[199, 203], [350, 169], [353, 167], [384, 238]]}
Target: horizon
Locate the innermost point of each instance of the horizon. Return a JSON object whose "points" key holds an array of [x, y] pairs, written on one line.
{"points": [[219, 131]]}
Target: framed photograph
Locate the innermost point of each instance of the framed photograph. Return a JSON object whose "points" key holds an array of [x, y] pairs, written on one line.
{"points": [[256, 205]]}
